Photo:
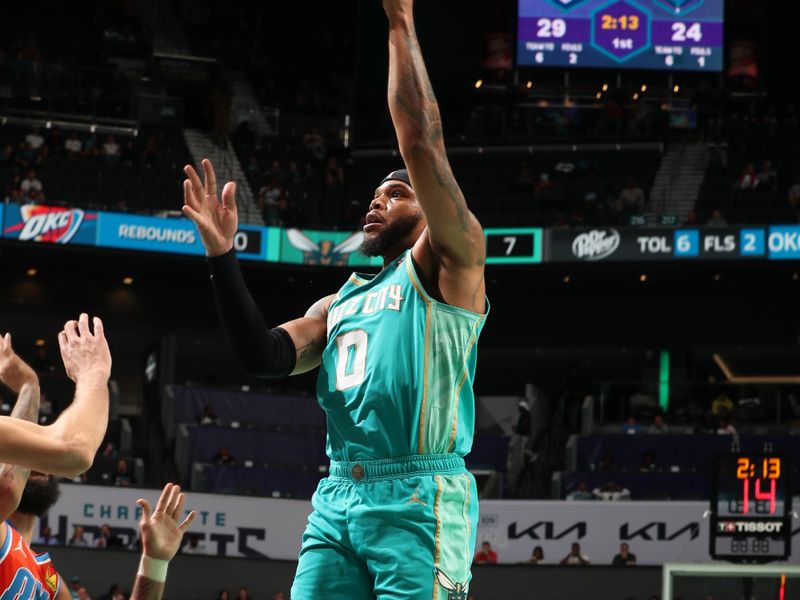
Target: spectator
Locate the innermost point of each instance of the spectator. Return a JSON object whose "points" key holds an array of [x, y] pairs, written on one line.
{"points": [[748, 180], [224, 595], [611, 492], [83, 593], [77, 539], [575, 556], [486, 555], [334, 174], [648, 464], [27, 157], [269, 200], [35, 139], [195, 546], [721, 405], [128, 154], [537, 556], [278, 596], [725, 427], [767, 177], [543, 186], [706, 424], [150, 154], [73, 146], [691, 219], [223, 457], [112, 593], [46, 538], [631, 198], [607, 462], [658, 427], [32, 188], [207, 417], [106, 540], [111, 150], [580, 493], [243, 594], [122, 475], [631, 427], [524, 181], [716, 219], [7, 155], [625, 558], [110, 451], [315, 144]]}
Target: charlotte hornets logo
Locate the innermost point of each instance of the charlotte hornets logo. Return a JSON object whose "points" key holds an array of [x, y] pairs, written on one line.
{"points": [[326, 252], [455, 589]]}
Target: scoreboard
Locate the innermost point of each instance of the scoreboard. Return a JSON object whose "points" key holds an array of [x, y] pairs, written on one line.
{"points": [[681, 35], [751, 512]]}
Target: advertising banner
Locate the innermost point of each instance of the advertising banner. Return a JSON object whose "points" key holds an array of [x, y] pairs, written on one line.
{"points": [[49, 224], [661, 244], [656, 532]]}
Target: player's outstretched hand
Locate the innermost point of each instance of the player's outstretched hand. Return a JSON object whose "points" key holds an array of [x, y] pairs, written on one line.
{"points": [[161, 533], [14, 372], [85, 353], [216, 221]]}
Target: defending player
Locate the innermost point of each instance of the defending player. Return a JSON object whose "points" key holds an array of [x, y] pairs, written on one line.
{"points": [[67, 447], [396, 518]]}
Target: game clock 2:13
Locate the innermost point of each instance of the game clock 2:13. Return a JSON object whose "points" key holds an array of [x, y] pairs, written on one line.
{"points": [[759, 479]]}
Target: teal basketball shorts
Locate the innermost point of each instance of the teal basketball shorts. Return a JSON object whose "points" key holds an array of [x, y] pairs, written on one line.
{"points": [[400, 529]]}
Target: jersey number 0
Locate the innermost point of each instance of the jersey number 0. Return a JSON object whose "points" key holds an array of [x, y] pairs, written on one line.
{"points": [[351, 361]]}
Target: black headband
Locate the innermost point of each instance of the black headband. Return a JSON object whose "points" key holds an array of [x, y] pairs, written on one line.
{"points": [[399, 175]]}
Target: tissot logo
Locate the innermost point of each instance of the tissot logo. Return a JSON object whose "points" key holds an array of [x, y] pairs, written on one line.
{"points": [[546, 530], [657, 530], [596, 244], [749, 526]]}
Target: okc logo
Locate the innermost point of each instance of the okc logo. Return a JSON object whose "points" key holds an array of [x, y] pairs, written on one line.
{"points": [[324, 252], [47, 224]]}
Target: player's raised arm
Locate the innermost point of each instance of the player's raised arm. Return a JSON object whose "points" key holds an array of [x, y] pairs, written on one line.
{"points": [[162, 532], [292, 348], [454, 234], [67, 447], [21, 379]]}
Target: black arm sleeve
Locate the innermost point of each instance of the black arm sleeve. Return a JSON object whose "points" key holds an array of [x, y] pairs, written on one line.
{"points": [[261, 351]]}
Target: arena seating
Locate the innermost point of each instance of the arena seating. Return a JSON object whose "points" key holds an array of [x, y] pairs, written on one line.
{"points": [[276, 442], [682, 463]]}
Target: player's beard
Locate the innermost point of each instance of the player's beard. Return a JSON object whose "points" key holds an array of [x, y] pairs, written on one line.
{"points": [[39, 494], [390, 235]]}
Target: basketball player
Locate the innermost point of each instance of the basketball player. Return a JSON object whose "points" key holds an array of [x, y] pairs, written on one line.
{"points": [[67, 447], [397, 516], [19, 566]]}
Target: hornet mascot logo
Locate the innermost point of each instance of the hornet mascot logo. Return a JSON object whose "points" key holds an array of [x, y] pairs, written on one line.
{"points": [[325, 252]]}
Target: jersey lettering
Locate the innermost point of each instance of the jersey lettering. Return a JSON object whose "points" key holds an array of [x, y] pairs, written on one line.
{"points": [[24, 586]]}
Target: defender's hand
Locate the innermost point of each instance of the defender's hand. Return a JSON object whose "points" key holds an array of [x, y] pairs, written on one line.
{"points": [[85, 354], [161, 534], [14, 371], [216, 221]]}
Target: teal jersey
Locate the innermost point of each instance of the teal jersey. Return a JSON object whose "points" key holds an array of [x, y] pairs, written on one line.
{"points": [[397, 370]]}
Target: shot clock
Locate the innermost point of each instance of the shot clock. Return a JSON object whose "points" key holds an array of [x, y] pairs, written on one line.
{"points": [[682, 35], [751, 508]]}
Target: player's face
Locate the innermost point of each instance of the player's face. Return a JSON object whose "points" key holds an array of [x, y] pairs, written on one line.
{"points": [[392, 218]]}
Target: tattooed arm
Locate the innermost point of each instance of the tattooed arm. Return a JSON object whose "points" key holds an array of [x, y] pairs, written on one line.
{"points": [[452, 249]]}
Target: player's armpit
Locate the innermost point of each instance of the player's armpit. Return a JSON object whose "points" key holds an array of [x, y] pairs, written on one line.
{"points": [[309, 335]]}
